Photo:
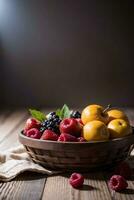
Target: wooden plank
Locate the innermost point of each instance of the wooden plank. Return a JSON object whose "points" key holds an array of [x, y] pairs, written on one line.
{"points": [[27, 186], [58, 187], [11, 139], [4, 114], [12, 121]]}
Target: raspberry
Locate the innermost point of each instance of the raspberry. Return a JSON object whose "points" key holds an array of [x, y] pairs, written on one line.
{"points": [[49, 135], [76, 180], [71, 126], [117, 183], [31, 123], [81, 139], [79, 120], [65, 137], [33, 133], [124, 170]]}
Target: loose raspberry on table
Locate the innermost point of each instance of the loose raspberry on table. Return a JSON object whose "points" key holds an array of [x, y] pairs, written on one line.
{"points": [[33, 133], [76, 180], [124, 170], [117, 183], [49, 135], [65, 137]]}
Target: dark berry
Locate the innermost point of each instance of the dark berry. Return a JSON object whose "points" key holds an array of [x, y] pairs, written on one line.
{"points": [[52, 113], [52, 123], [117, 183], [49, 135], [75, 114], [76, 180]]}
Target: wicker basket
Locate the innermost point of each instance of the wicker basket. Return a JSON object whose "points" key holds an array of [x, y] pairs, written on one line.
{"points": [[80, 156]]}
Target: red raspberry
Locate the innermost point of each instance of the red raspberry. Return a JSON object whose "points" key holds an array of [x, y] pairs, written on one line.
{"points": [[33, 133], [79, 120], [65, 137], [81, 139], [124, 170], [117, 183], [31, 123], [71, 126], [49, 135], [76, 180]]}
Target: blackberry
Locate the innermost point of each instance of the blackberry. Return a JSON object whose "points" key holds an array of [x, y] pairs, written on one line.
{"points": [[52, 123], [76, 114]]}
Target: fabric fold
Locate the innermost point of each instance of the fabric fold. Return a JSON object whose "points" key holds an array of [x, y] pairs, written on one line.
{"points": [[15, 161]]}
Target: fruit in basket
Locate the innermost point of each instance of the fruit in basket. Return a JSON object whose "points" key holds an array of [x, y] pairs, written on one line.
{"points": [[117, 183], [71, 126], [117, 114], [31, 123], [76, 180], [75, 114], [79, 120], [95, 131], [33, 133], [49, 135], [51, 123], [65, 137], [94, 112], [119, 128]]}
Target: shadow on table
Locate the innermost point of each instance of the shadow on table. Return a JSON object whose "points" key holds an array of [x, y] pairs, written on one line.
{"points": [[90, 175], [88, 188], [128, 191], [29, 176]]}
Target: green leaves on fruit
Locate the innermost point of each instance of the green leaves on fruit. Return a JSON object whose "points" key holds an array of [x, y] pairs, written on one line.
{"points": [[64, 112], [40, 116]]}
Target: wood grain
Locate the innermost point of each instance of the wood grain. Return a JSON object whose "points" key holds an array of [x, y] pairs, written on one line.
{"points": [[10, 124], [27, 186], [58, 187]]}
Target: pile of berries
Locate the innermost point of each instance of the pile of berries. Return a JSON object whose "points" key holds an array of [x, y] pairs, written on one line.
{"points": [[52, 123], [56, 129]]}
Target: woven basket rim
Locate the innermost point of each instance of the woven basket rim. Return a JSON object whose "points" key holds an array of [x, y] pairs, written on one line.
{"points": [[21, 135]]}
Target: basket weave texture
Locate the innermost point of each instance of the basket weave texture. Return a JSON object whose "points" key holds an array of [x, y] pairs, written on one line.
{"points": [[81, 156]]}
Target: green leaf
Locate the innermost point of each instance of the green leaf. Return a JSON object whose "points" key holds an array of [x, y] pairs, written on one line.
{"points": [[37, 114], [58, 111], [64, 112]]}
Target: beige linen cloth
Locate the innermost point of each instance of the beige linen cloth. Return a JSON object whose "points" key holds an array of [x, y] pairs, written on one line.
{"points": [[15, 161]]}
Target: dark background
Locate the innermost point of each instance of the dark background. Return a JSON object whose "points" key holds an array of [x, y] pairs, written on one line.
{"points": [[74, 52]]}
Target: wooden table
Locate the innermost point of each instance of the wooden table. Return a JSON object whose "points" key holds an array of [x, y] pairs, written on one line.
{"points": [[34, 186]]}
